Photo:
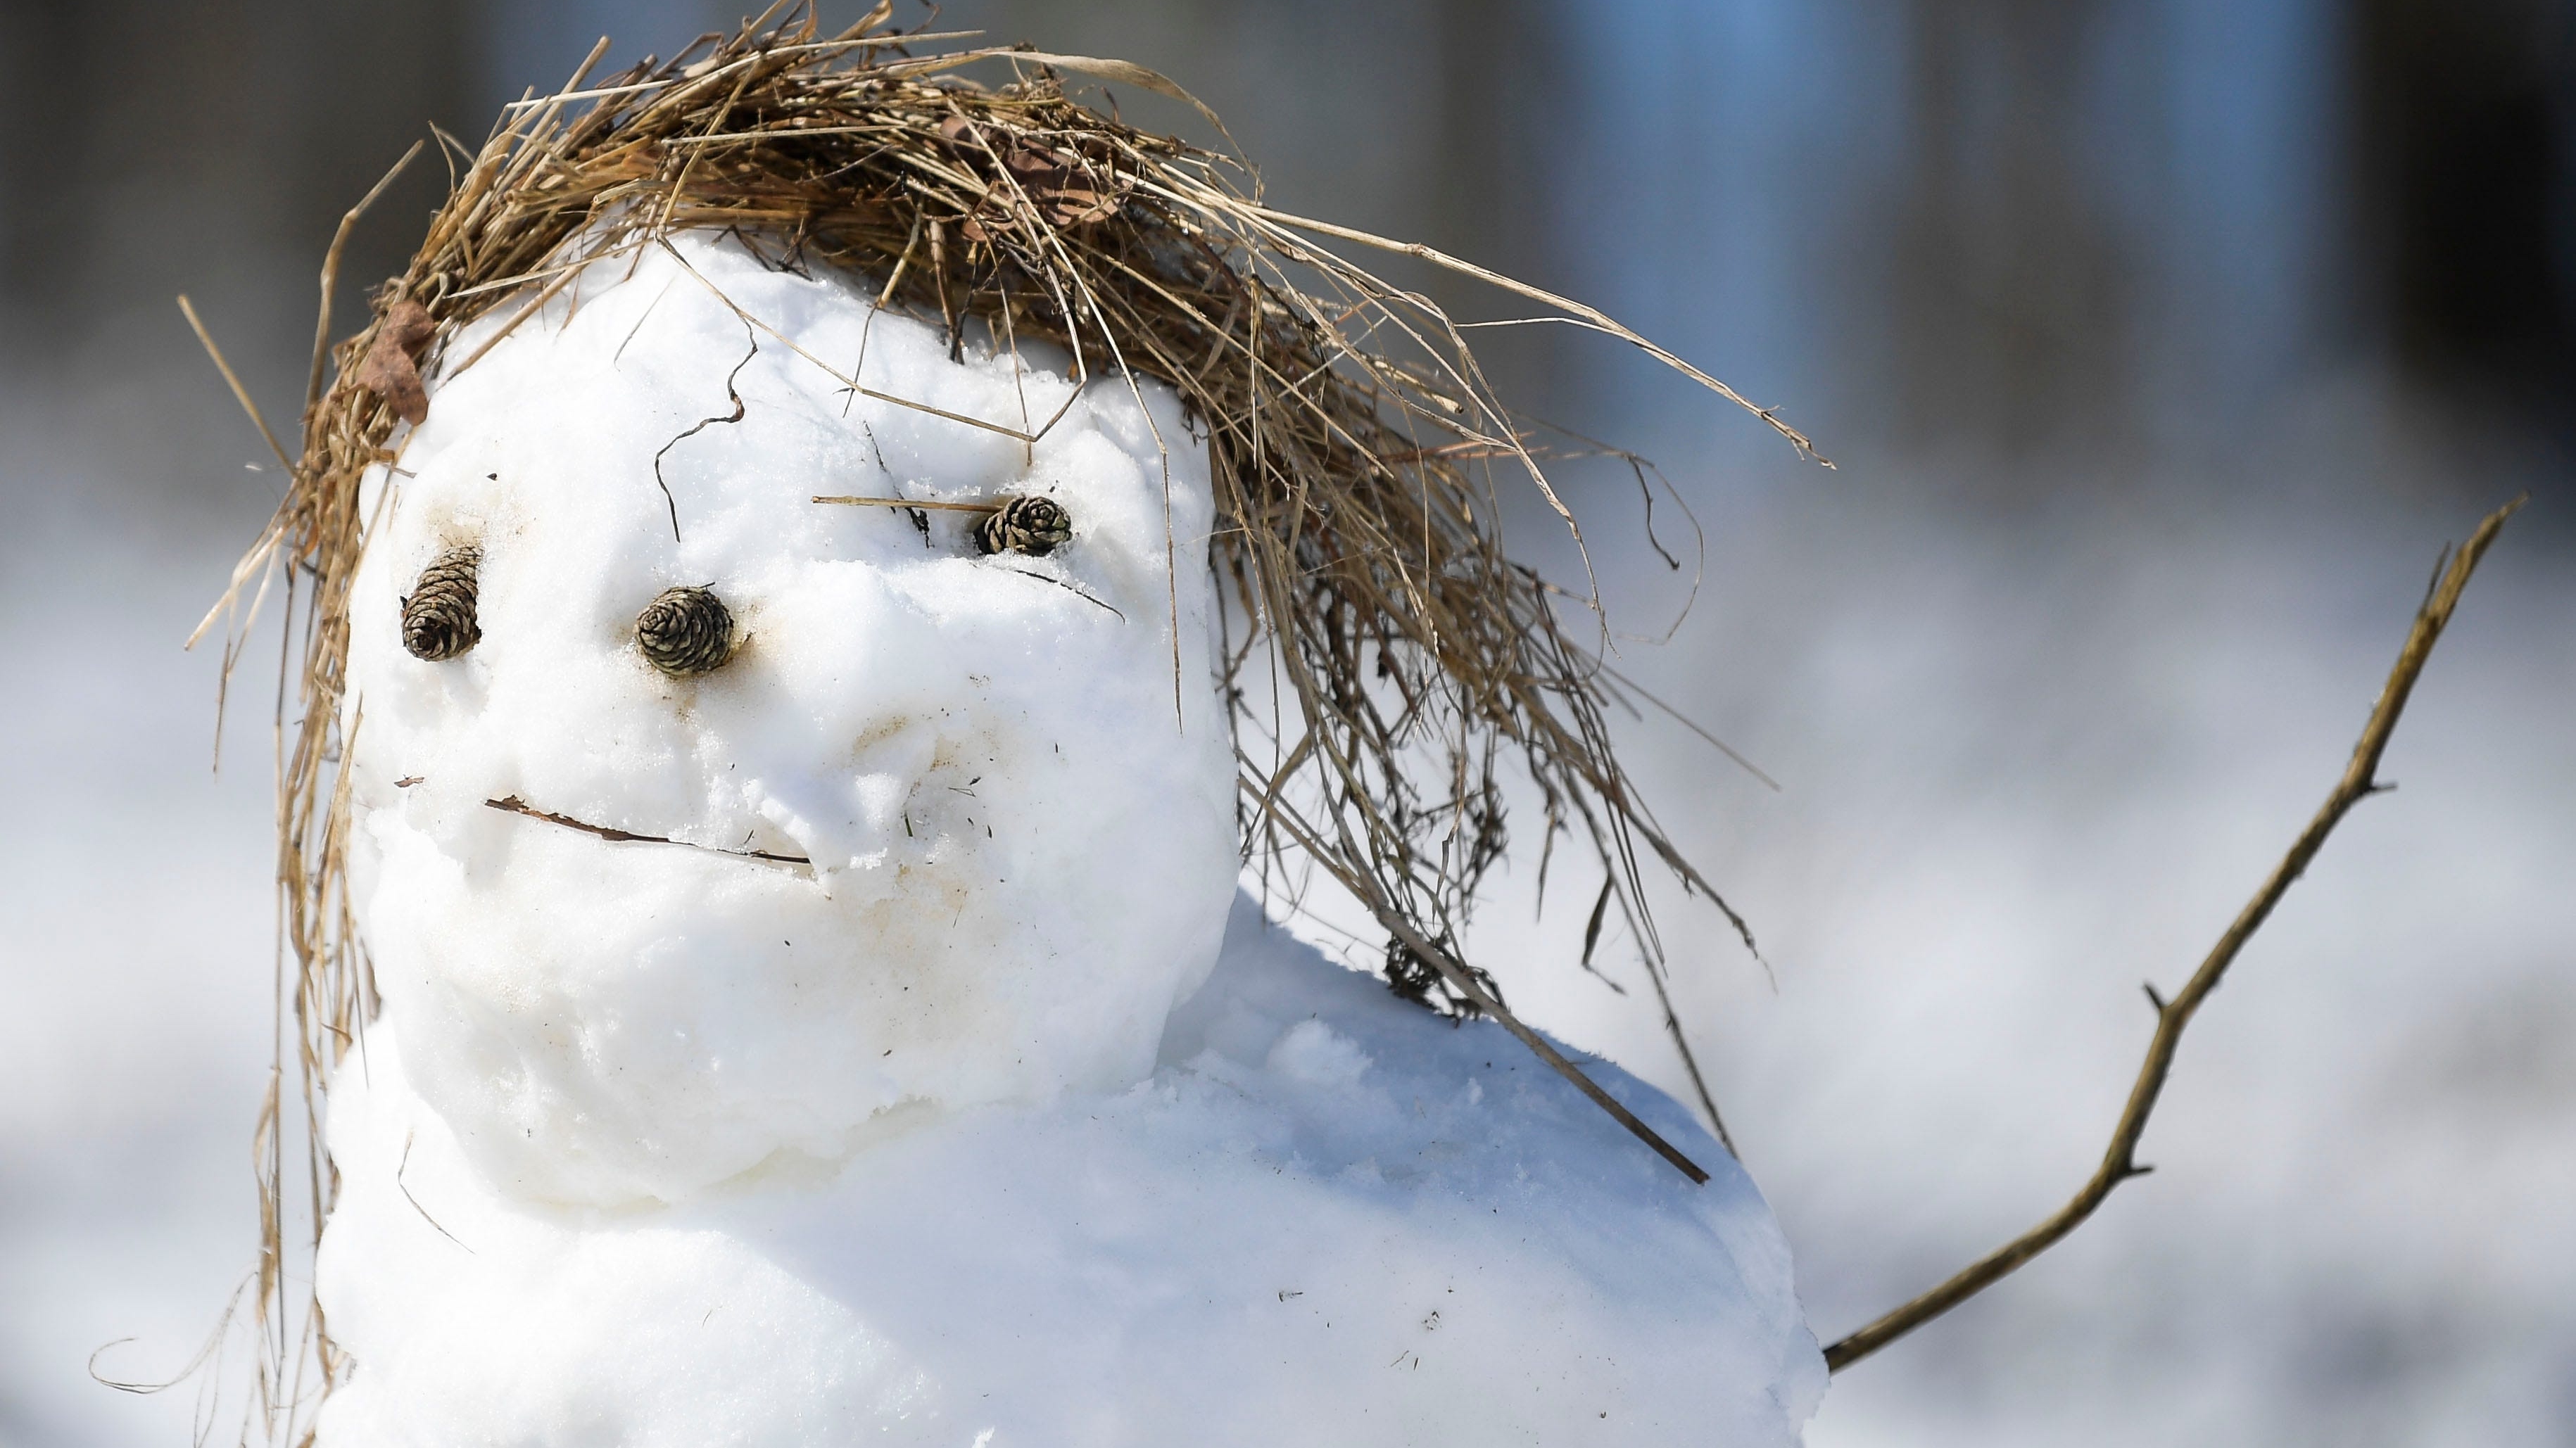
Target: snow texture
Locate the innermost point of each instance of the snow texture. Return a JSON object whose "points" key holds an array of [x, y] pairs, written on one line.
{"points": [[853, 1101], [1328, 1218]]}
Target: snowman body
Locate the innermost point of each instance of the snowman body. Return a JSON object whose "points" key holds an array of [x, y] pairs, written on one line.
{"points": [[819, 1047]]}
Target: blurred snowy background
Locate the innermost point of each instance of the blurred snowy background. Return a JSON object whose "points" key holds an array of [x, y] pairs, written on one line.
{"points": [[2159, 342]]}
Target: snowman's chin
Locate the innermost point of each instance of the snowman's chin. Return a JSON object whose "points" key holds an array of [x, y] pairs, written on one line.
{"points": [[619, 1022]]}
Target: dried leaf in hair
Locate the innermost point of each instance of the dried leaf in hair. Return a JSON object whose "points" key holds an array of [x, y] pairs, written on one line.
{"points": [[391, 369]]}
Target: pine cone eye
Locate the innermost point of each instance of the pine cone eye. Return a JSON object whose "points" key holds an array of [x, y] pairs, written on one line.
{"points": [[685, 631], [438, 618], [1034, 526]]}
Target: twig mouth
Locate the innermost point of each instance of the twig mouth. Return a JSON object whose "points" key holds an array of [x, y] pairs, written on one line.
{"points": [[512, 804]]}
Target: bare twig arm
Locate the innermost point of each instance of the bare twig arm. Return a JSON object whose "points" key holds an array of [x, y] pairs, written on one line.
{"points": [[2119, 1160]]}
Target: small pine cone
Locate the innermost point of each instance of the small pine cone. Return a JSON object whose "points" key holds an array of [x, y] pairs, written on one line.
{"points": [[438, 618], [685, 631], [1034, 526]]}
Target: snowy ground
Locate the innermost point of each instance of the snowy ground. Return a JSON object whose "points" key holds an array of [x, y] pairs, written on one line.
{"points": [[2028, 766]]}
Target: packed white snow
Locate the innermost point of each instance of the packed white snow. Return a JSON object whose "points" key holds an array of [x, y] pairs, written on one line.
{"points": [[1329, 1218], [795, 1059]]}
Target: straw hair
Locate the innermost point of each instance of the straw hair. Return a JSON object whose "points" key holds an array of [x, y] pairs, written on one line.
{"points": [[1388, 666]]}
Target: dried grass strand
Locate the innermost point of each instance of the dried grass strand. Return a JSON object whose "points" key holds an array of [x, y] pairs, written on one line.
{"points": [[232, 380], [331, 271]]}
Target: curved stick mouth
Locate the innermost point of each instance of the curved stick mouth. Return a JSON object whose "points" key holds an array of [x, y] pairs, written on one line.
{"points": [[512, 804]]}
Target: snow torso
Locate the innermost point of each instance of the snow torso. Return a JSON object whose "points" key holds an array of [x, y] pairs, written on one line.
{"points": [[1329, 1218]]}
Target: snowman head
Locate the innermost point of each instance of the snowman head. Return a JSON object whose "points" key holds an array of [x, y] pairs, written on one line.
{"points": [[718, 823]]}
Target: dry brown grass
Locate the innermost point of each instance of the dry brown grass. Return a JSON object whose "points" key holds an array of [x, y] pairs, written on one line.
{"points": [[1392, 667]]}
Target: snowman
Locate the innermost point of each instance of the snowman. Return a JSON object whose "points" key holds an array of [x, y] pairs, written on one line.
{"points": [[765, 823], [815, 1005]]}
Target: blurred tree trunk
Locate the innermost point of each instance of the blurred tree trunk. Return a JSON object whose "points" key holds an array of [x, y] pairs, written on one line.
{"points": [[2009, 292], [1505, 104], [2464, 159]]}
